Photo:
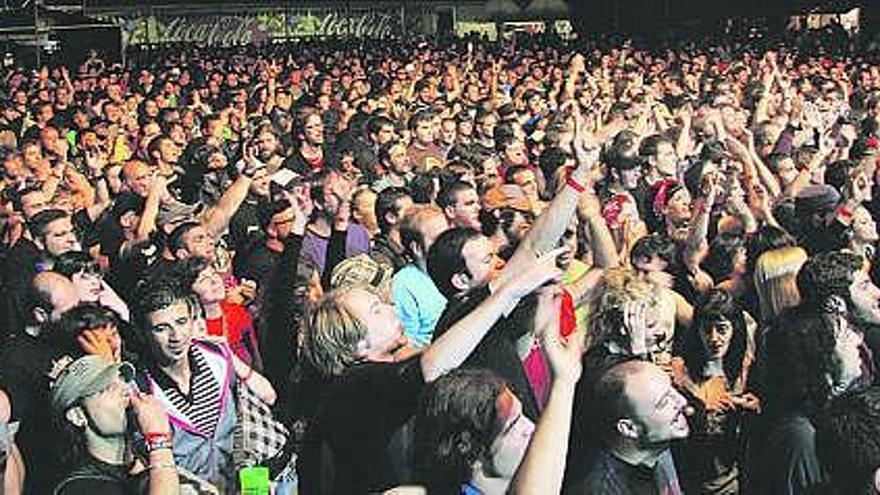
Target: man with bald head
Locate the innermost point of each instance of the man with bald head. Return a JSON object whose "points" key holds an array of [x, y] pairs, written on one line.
{"points": [[27, 358], [639, 413]]}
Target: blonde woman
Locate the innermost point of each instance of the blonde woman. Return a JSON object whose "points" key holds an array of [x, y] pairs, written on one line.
{"points": [[776, 281]]}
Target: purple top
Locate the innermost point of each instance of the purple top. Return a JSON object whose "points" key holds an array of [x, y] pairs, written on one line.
{"points": [[314, 247]]}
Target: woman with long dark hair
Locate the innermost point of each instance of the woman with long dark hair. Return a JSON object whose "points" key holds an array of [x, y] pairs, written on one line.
{"points": [[717, 364]]}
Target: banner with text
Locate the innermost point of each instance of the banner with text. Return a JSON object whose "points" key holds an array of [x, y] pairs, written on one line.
{"points": [[259, 27]]}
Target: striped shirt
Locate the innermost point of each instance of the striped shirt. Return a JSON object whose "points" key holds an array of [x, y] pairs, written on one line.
{"points": [[202, 405]]}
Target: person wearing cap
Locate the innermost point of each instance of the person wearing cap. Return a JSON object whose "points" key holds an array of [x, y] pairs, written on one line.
{"points": [[362, 270], [513, 216], [816, 207], [90, 398], [418, 302]]}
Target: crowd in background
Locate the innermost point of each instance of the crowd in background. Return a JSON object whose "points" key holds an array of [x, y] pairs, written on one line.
{"points": [[598, 266]]}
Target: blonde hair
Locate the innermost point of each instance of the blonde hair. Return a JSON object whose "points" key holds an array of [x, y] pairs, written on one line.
{"points": [[619, 286], [776, 280], [333, 333]]}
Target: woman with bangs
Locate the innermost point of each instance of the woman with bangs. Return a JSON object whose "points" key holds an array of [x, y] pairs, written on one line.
{"points": [[717, 362]]}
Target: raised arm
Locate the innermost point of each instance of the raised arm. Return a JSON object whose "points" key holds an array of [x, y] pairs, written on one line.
{"points": [[217, 219], [551, 224], [279, 351], [454, 346], [543, 467]]}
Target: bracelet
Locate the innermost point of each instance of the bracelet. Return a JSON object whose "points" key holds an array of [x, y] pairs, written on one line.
{"points": [[575, 185], [158, 444]]}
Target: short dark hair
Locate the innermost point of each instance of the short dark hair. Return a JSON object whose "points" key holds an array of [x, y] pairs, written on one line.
{"points": [[154, 146], [377, 122], [386, 202], [445, 258], [719, 263], [175, 238], [187, 271], [447, 195], [268, 209], [85, 316], [40, 222], [419, 117], [157, 293], [611, 402], [455, 426], [73, 262], [651, 144]]}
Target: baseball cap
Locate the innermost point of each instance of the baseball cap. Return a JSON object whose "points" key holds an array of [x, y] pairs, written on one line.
{"points": [[86, 376], [359, 270], [506, 196], [817, 198]]}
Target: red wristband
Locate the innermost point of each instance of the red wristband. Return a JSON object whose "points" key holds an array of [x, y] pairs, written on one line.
{"points": [[575, 185], [156, 435]]}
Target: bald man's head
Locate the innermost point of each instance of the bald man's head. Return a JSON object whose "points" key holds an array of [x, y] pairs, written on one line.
{"points": [[53, 295]]}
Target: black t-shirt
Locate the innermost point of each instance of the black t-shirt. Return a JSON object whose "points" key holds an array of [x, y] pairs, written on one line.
{"points": [[346, 444], [98, 478], [134, 264], [18, 271], [608, 475], [24, 367], [244, 227], [787, 464], [257, 265], [497, 350]]}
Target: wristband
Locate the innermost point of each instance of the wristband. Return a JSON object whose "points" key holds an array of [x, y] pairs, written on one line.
{"points": [[247, 377], [154, 440], [153, 435], [158, 444], [575, 185]]}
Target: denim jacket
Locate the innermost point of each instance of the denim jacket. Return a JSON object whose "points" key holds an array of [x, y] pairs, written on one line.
{"points": [[207, 456]]}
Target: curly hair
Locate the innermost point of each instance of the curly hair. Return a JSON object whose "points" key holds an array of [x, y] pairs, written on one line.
{"points": [[828, 274], [716, 306], [800, 359], [848, 440], [457, 421], [619, 286]]}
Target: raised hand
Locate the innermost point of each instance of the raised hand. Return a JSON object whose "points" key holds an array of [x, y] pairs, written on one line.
{"points": [[636, 326], [96, 343], [150, 414], [564, 353], [543, 270]]}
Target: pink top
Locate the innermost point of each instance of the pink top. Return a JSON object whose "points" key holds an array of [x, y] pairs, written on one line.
{"points": [[538, 372]]}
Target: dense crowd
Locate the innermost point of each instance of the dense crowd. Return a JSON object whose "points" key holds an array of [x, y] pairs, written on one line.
{"points": [[457, 267]]}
